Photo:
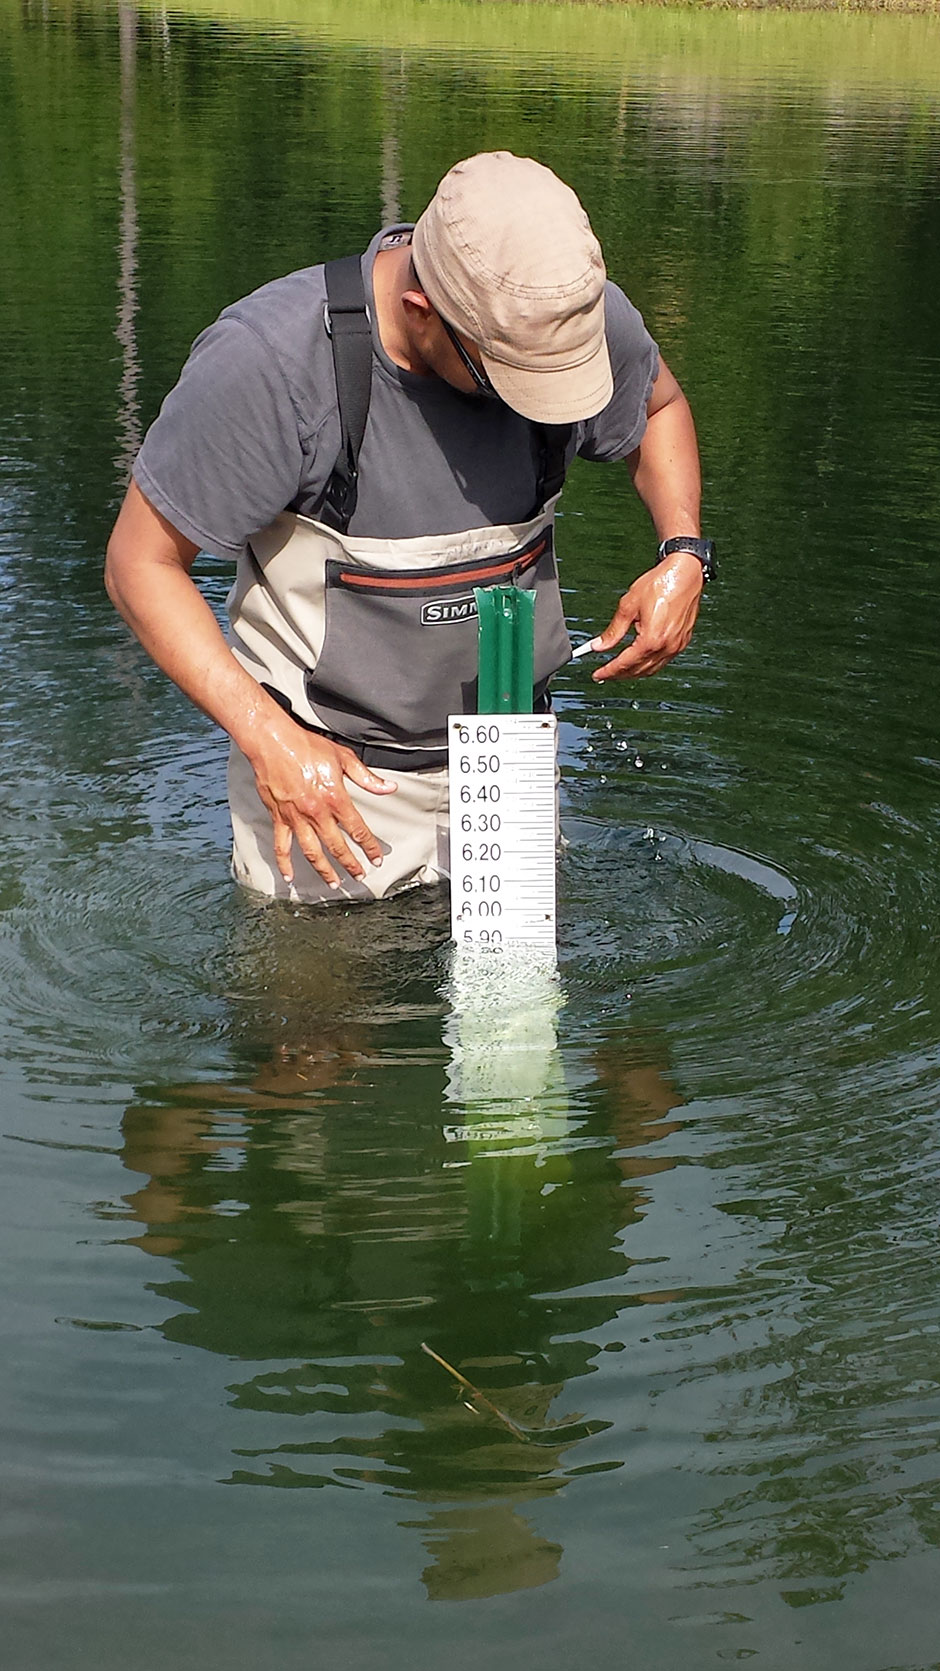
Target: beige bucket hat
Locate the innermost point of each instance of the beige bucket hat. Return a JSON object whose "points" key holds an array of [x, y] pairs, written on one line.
{"points": [[506, 254]]}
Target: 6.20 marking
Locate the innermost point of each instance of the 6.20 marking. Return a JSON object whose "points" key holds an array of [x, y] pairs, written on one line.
{"points": [[488, 852]]}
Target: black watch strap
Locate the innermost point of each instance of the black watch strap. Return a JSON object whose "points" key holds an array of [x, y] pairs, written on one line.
{"points": [[704, 550]]}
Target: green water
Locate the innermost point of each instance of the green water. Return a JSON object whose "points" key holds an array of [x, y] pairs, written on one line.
{"points": [[673, 1214]]}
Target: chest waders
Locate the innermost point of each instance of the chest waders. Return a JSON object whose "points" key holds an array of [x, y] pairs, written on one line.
{"points": [[373, 642]]}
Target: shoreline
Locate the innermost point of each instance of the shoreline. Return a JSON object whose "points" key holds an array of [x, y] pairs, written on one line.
{"points": [[884, 49], [872, 7]]}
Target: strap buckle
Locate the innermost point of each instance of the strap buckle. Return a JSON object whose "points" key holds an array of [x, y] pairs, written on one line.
{"points": [[364, 312]]}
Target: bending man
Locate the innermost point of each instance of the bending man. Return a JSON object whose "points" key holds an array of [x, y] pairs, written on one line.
{"points": [[370, 441]]}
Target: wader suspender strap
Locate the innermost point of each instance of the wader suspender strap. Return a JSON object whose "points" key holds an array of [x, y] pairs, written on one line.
{"points": [[553, 443], [350, 329]]}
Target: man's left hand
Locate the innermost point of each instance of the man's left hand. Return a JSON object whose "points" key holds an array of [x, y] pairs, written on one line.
{"points": [[662, 606]]}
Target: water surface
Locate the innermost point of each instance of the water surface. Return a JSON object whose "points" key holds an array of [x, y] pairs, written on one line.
{"points": [[672, 1211]]}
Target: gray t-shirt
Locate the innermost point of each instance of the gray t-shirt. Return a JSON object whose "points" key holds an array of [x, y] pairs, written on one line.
{"points": [[252, 427]]}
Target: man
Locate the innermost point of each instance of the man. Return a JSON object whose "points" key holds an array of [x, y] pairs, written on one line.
{"points": [[368, 458]]}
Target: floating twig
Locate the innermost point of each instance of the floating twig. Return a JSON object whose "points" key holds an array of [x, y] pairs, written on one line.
{"points": [[462, 1381]]}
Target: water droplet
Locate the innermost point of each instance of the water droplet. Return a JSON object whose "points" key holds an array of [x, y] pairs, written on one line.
{"points": [[638, 762]]}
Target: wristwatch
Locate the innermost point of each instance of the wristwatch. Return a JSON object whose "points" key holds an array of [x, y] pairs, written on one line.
{"points": [[704, 550]]}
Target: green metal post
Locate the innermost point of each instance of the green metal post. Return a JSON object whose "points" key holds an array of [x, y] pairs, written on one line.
{"points": [[507, 648]]}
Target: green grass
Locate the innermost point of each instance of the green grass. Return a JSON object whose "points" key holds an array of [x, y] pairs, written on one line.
{"points": [[887, 46]]}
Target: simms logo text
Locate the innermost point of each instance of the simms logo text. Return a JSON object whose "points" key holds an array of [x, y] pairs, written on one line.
{"points": [[445, 610]]}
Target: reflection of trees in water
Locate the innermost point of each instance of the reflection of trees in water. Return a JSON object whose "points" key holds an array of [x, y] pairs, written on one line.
{"points": [[322, 1223], [393, 83], [129, 424], [825, 1440]]}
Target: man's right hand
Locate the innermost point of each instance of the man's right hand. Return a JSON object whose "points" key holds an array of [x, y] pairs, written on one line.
{"points": [[301, 780]]}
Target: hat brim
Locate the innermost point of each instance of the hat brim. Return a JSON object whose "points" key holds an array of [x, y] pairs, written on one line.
{"points": [[554, 397]]}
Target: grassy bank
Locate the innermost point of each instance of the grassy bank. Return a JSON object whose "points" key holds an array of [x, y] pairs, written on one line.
{"points": [[884, 49], [791, 5]]}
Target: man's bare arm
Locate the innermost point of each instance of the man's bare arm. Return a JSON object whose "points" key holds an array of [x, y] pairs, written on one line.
{"points": [[300, 777], [662, 604]]}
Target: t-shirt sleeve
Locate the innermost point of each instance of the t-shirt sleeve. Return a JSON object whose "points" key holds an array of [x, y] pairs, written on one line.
{"points": [[225, 454], [634, 360]]}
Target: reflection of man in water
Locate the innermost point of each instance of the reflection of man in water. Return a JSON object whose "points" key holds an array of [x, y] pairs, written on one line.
{"points": [[303, 1229], [469, 358]]}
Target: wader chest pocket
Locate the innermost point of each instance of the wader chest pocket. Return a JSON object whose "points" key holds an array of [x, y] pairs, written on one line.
{"points": [[400, 646]]}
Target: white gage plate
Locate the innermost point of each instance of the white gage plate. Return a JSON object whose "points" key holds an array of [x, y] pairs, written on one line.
{"points": [[502, 829]]}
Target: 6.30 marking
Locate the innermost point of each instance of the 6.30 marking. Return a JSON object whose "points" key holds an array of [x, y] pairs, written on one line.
{"points": [[484, 821]]}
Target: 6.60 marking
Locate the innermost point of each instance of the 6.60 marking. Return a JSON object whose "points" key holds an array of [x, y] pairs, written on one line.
{"points": [[480, 734]]}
